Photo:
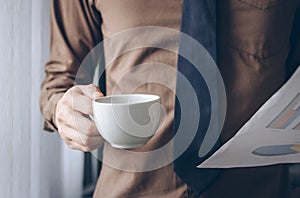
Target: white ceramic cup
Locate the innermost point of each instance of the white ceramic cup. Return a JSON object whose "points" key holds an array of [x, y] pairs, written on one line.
{"points": [[128, 120]]}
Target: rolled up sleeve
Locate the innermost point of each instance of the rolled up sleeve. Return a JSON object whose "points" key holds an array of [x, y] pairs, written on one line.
{"points": [[75, 31]]}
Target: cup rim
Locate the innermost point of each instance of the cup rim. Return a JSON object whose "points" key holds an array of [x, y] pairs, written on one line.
{"points": [[152, 98]]}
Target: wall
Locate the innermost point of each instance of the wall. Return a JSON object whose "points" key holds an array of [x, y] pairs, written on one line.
{"points": [[33, 163], [14, 85]]}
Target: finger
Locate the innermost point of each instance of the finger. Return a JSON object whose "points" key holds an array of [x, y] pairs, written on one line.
{"points": [[78, 121], [71, 144], [92, 91], [83, 140], [76, 146], [80, 98], [65, 139], [84, 125], [83, 104]]}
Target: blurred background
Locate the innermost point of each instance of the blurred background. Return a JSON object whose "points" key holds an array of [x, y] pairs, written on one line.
{"points": [[33, 163]]}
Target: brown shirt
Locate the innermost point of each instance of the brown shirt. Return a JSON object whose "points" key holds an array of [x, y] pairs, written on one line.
{"points": [[253, 46]]}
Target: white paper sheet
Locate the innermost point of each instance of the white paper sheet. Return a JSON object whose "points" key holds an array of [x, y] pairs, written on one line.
{"points": [[271, 136]]}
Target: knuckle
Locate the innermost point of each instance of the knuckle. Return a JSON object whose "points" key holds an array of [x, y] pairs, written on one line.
{"points": [[60, 120], [64, 101], [74, 90], [59, 116], [92, 86], [87, 149], [87, 142]]}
